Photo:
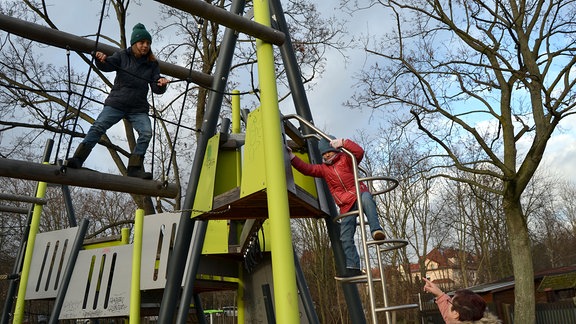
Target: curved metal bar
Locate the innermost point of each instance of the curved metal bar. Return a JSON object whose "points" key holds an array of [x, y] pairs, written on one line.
{"points": [[319, 133], [393, 186], [391, 244], [350, 213]]}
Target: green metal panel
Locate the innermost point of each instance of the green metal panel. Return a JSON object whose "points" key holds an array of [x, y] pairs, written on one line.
{"points": [[227, 178], [227, 171], [216, 240], [205, 191], [305, 182], [254, 166]]}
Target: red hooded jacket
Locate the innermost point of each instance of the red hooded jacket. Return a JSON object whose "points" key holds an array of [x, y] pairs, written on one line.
{"points": [[339, 175]]}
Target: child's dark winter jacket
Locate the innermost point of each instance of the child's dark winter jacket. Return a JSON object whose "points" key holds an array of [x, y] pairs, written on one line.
{"points": [[133, 76]]}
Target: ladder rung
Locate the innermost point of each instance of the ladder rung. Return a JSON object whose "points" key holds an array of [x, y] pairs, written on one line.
{"points": [[357, 279], [397, 307], [389, 245], [348, 214], [354, 279]]}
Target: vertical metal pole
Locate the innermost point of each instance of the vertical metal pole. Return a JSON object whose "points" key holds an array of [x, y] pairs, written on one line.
{"points": [[186, 225], [236, 112], [307, 301], [383, 283], [69, 207], [136, 262], [350, 291], [194, 262], [269, 305], [283, 269], [76, 247], [240, 296], [236, 130], [125, 236], [200, 310], [367, 263]]}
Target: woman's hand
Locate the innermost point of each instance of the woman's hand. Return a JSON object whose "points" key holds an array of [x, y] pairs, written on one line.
{"points": [[432, 288]]}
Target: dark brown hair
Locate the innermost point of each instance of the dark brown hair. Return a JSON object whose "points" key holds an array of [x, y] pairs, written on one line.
{"points": [[469, 305]]}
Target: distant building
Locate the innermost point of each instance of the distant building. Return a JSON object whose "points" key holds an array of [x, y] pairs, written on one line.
{"points": [[447, 267]]}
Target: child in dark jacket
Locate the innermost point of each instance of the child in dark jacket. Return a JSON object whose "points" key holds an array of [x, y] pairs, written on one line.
{"points": [[337, 171], [136, 70]]}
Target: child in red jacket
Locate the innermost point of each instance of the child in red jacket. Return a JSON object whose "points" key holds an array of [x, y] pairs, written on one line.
{"points": [[337, 171]]}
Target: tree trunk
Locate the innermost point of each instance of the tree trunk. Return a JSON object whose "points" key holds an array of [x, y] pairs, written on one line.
{"points": [[519, 240]]}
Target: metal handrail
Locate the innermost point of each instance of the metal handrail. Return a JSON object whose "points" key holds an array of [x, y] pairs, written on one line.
{"points": [[393, 186], [382, 245]]}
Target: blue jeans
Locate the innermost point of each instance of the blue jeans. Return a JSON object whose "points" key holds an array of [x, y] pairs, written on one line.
{"points": [[110, 116], [348, 229]]}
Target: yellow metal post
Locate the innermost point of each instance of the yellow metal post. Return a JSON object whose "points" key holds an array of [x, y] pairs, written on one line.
{"points": [[283, 269], [34, 226], [240, 296], [136, 262], [235, 111], [125, 235], [236, 130]]}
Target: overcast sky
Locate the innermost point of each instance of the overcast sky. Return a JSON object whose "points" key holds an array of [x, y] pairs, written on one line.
{"points": [[332, 89]]}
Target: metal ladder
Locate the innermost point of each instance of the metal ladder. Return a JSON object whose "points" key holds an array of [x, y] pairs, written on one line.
{"points": [[380, 247]]}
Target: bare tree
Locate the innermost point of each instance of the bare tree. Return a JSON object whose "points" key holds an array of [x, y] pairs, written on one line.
{"points": [[550, 226], [506, 63], [311, 34], [317, 261], [475, 217]]}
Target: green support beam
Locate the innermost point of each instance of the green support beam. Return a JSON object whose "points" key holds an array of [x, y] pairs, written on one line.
{"points": [[283, 268]]}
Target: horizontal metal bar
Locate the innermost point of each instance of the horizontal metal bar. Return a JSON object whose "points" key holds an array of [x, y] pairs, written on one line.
{"points": [[12, 209], [11, 197], [84, 178], [228, 19], [395, 308], [65, 40]]}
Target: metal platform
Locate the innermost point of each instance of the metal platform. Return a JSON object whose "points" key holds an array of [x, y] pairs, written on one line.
{"points": [[229, 205]]}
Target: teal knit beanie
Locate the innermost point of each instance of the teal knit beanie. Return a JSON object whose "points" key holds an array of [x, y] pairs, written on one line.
{"points": [[139, 33]]}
